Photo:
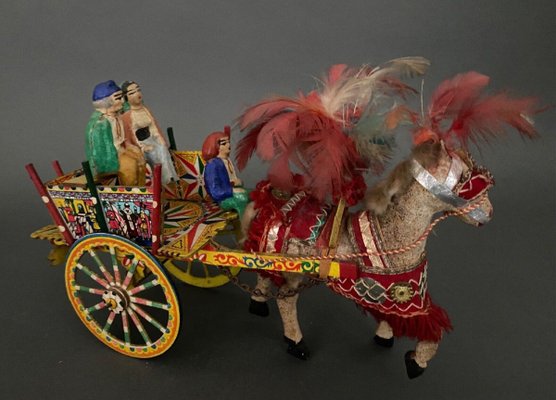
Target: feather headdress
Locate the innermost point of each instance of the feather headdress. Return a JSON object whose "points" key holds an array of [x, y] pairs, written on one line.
{"points": [[459, 113], [322, 134]]}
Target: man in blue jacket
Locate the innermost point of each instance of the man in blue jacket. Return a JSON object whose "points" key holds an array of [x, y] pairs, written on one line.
{"points": [[221, 180]]}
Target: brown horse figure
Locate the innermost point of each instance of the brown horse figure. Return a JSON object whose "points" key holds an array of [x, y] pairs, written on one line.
{"points": [[392, 285]]}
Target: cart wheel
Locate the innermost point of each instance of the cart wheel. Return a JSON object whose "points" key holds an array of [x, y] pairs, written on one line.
{"points": [[135, 316], [198, 274]]}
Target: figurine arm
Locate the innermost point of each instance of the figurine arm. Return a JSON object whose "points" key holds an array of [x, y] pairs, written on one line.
{"points": [[101, 151]]}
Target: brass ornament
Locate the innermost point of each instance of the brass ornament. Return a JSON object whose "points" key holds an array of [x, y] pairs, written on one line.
{"points": [[401, 292]]}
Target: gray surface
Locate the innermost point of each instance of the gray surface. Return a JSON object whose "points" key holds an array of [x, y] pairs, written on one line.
{"points": [[199, 64]]}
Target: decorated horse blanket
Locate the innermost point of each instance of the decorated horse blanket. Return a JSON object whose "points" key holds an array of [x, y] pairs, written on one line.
{"points": [[396, 295], [283, 217]]}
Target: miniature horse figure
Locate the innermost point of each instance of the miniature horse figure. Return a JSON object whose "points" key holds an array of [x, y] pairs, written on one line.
{"points": [[388, 238], [393, 286]]}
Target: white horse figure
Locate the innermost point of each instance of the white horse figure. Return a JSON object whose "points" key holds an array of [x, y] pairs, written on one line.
{"points": [[388, 238], [392, 282]]}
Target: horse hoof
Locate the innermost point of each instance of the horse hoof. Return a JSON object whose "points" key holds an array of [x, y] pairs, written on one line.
{"points": [[259, 308], [298, 350], [384, 342], [413, 369]]}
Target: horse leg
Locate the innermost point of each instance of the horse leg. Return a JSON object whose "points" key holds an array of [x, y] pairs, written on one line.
{"points": [[384, 335], [288, 311], [416, 361], [258, 305]]}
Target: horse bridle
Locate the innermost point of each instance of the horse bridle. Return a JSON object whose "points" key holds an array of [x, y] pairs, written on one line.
{"points": [[458, 189]]}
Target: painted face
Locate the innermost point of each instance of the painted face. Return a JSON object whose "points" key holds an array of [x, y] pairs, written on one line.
{"points": [[117, 102], [224, 148], [134, 95]]}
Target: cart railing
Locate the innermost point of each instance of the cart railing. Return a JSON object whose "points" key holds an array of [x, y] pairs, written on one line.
{"points": [[80, 206]]}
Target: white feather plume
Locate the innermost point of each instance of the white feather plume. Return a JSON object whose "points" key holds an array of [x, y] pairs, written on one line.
{"points": [[357, 89]]}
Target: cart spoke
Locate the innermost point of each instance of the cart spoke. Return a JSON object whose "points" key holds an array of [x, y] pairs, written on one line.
{"points": [[144, 286], [101, 266], [92, 275], [140, 328], [122, 295], [115, 267], [130, 273], [125, 324], [149, 318], [109, 321], [96, 307], [150, 303], [89, 290]]}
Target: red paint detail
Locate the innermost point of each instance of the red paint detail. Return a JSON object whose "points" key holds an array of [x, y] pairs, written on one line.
{"points": [[57, 168], [157, 211], [477, 184], [50, 205], [349, 270]]}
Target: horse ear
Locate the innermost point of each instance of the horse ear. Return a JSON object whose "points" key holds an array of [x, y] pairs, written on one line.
{"points": [[428, 154], [383, 193], [378, 199]]}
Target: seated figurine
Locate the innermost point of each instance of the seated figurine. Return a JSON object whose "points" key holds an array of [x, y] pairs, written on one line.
{"points": [[106, 147], [142, 129], [221, 180]]}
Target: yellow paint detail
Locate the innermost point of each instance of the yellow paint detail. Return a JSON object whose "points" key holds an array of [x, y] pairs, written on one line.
{"points": [[99, 242], [50, 233], [201, 277]]}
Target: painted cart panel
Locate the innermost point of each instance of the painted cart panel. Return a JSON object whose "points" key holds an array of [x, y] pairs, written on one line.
{"points": [[128, 212], [75, 204]]}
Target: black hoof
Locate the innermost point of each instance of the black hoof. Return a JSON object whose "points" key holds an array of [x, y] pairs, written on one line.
{"points": [[384, 342], [298, 350], [413, 369], [259, 308]]}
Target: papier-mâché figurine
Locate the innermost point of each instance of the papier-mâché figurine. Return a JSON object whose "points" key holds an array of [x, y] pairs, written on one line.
{"points": [[221, 180], [105, 145], [141, 128]]}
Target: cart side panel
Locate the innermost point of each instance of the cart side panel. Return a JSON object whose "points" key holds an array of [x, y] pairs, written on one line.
{"points": [[190, 167], [75, 204], [128, 212]]}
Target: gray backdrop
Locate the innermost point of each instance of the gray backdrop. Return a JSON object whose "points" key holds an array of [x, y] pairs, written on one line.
{"points": [[200, 63]]}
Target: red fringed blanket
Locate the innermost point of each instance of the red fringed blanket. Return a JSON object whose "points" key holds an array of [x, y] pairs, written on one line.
{"points": [[273, 225], [400, 297]]}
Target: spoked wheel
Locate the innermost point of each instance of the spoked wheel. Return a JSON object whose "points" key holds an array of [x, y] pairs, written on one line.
{"points": [[199, 274], [122, 295]]}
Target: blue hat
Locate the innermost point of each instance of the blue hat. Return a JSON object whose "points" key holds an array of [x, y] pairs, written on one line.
{"points": [[105, 89]]}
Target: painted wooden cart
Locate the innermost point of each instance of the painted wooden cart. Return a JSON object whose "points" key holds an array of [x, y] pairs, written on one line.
{"points": [[123, 242]]}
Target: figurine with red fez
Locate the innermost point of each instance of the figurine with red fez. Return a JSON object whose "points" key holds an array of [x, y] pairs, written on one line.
{"points": [[105, 146], [221, 180], [141, 128]]}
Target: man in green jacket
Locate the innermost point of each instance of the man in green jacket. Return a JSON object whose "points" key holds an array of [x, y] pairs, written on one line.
{"points": [[105, 145]]}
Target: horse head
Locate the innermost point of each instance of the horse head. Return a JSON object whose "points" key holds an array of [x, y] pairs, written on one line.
{"points": [[435, 179], [458, 183]]}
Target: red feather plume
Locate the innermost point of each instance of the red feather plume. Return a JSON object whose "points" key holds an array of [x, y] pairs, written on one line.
{"points": [[311, 133], [300, 132], [459, 112]]}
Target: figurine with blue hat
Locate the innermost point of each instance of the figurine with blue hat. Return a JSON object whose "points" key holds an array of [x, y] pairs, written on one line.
{"points": [[105, 146]]}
